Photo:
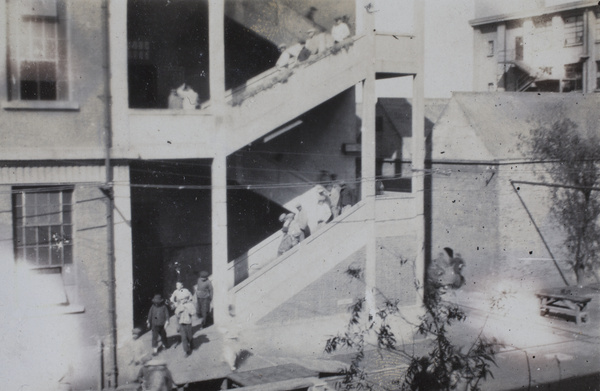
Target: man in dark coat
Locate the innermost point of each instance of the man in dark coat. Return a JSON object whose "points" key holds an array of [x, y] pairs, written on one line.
{"points": [[158, 320], [204, 293]]}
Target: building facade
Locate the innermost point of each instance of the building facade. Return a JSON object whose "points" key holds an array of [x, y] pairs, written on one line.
{"points": [[111, 194], [551, 46]]}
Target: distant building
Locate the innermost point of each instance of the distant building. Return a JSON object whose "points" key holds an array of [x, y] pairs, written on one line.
{"points": [[550, 45]]}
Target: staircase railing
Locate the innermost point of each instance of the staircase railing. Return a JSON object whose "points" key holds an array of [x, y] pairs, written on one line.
{"points": [[281, 278], [263, 256]]}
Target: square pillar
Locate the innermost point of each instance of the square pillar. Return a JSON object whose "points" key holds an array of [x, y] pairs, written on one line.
{"points": [[418, 154], [216, 53], [220, 279]]}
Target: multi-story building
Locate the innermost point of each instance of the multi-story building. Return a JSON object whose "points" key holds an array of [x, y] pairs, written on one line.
{"points": [[551, 45], [111, 194]]}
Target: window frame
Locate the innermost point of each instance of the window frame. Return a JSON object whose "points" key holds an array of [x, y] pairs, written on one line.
{"points": [[44, 236], [573, 31], [46, 45], [491, 48]]}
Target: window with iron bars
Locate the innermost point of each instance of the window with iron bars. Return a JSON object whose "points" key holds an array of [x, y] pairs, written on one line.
{"points": [[43, 225]]}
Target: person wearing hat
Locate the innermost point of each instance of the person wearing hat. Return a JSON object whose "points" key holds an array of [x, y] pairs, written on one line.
{"points": [[158, 320], [155, 376], [204, 294]]}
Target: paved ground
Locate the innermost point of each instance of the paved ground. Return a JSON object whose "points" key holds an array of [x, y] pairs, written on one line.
{"points": [[538, 350]]}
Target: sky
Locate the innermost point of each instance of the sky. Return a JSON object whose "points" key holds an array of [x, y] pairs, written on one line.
{"points": [[448, 46]]}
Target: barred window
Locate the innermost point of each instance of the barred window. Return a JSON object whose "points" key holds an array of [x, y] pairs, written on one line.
{"points": [[43, 226], [573, 30], [38, 50], [139, 50], [573, 80]]}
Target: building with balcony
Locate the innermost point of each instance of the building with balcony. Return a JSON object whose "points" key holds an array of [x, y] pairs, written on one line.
{"points": [[111, 194], [550, 45]]}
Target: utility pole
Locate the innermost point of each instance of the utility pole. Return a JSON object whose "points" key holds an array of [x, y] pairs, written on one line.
{"points": [[107, 189]]}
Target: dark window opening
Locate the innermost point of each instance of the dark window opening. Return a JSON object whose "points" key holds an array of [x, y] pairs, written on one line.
{"points": [[573, 80], [519, 48]]}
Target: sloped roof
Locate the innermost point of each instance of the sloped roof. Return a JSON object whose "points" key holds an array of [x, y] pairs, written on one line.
{"points": [[399, 112], [487, 125]]}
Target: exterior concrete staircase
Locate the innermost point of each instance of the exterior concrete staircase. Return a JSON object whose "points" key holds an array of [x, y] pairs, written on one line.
{"points": [[276, 97], [263, 281]]}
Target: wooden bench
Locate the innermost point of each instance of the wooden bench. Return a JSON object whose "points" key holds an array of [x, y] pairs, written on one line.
{"points": [[566, 301]]}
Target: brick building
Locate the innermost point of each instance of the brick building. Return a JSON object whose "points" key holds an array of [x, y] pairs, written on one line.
{"points": [[480, 205]]}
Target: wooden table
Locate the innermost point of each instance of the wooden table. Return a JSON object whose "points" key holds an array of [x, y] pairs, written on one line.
{"points": [[566, 301], [263, 376]]}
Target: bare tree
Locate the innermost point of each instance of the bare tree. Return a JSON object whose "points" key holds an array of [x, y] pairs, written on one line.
{"points": [[573, 159]]}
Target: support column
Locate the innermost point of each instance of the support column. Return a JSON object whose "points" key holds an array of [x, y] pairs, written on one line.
{"points": [[368, 148], [220, 280], [502, 55], [589, 50], [216, 53], [418, 153]]}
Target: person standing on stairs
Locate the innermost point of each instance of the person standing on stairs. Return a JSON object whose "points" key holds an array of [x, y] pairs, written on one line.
{"points": [[287, 242], [323, 211], [302, 220], [340, 30]]}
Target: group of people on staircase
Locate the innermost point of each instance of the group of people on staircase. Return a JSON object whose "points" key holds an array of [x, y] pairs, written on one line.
{"points": [[333, 200], [315, 43]]}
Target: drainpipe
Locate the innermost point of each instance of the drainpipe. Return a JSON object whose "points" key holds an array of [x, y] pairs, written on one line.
{"points": [[112, 374]]}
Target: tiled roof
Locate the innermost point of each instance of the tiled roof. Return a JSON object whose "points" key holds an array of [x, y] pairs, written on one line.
{"points": [[399, 112], [497, 119]]}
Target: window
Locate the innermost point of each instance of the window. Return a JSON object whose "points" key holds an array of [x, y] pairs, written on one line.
{"points": [[573, 30], [43, 226], [139, 50], [38, 50], [490, 48], [518, 48], [573, 80]]}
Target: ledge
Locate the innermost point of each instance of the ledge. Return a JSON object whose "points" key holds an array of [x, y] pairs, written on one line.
{"points": [[41, 105]]}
